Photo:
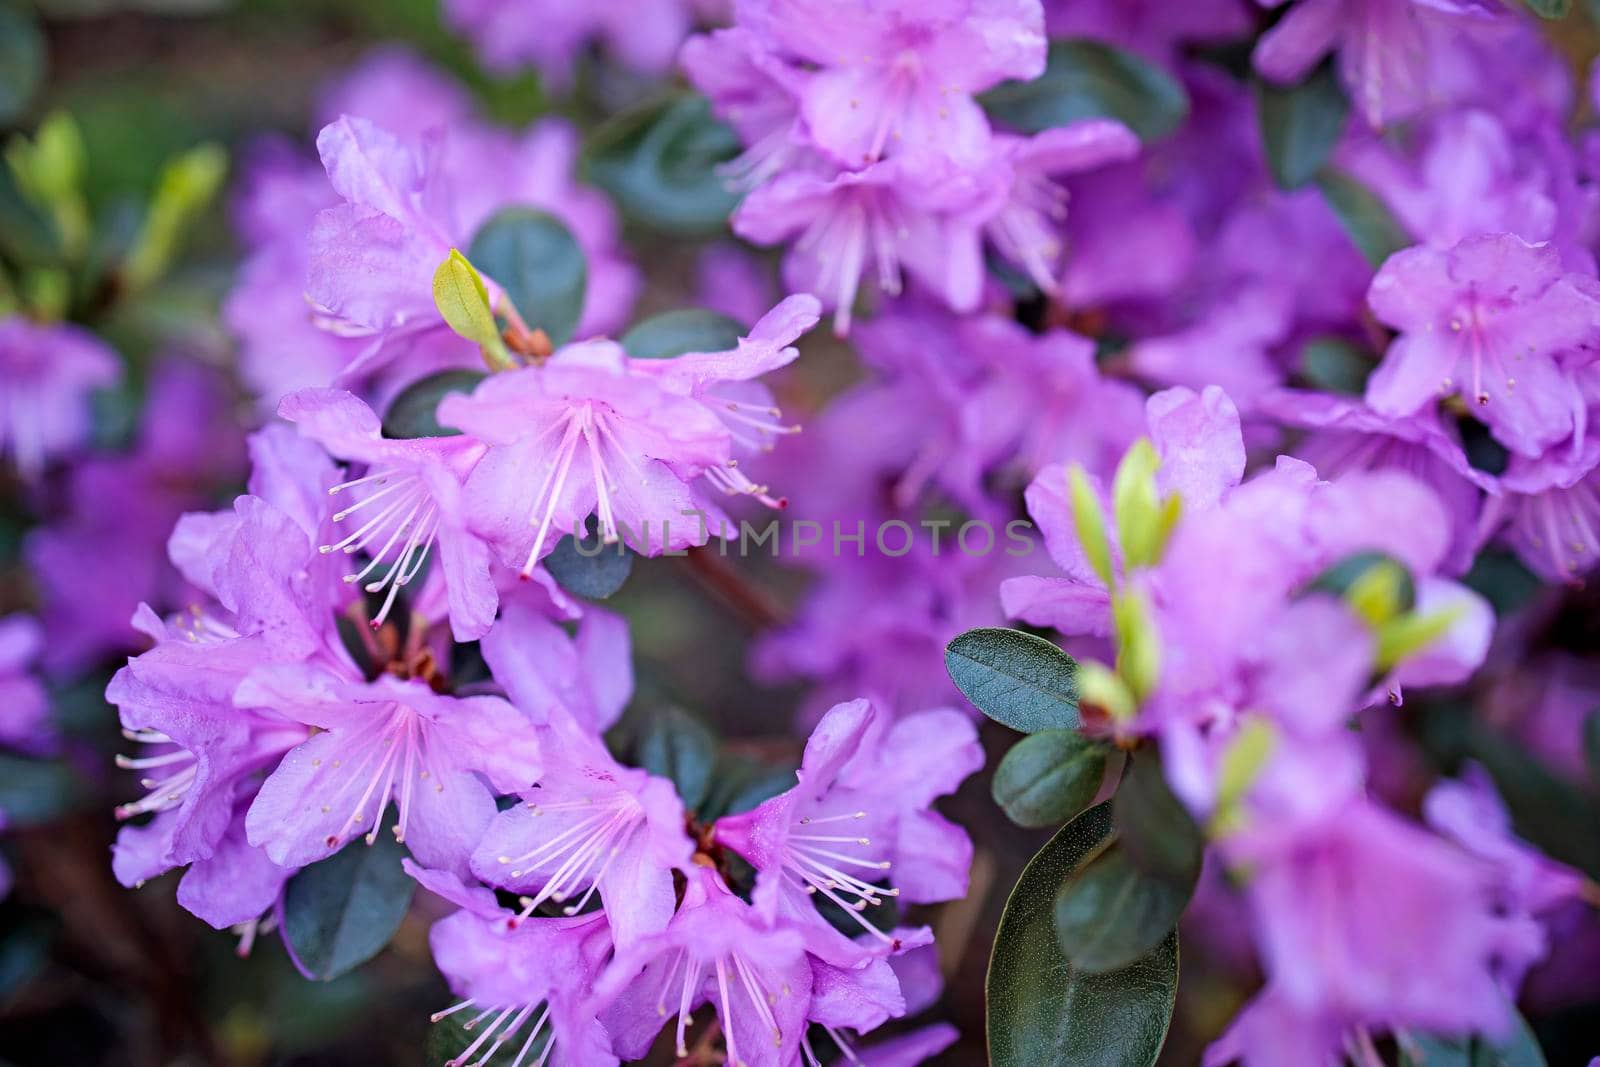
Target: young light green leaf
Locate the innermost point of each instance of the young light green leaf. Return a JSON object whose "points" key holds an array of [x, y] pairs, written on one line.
{"points": [[1401, 637], [1376, 586], [1089, 79], [339, 913], [539, 263], [186, 188], [1136, 505], [1089, 522], [1049, 777], [1016, 679], [1101, 687], [50, 167], [1243, 759], [672, 333], [463, 302], [415, 412], [1300, 124], [1138, 644], [1368, 221], [1044, 1010]]}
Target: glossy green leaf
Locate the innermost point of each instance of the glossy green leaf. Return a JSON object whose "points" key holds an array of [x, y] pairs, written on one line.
{"points": [[415, 412], [1090, 79], [1016, 679], [1520, 1049], [1591, 743], [659, 162], [1111, 913], [1555, 815], [1368, 221], [536, 260], [740, 783], [590, 568], [1550, 9], [1049, 777], [339, 913], [672, 333], [1335, 365], [677, 746], [1300, 124], [1044, 1011], [22, 60], [1153, 826]]}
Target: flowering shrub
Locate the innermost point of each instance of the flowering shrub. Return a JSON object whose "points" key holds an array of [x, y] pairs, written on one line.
{"points": [[1206, 404]]}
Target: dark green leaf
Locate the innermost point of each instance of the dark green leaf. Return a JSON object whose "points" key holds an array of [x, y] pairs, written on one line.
{"points": [[1591, 743], [414, 412], [1043, 1010], [339, 913], [1300, 124], [1154, 827], [659, 162], [677, 746], [1521, 1049], [1554, 814], [535, 258], [1370, 224], [589, 568], [1550, 9], [1090, 79], [22, 58], [35, 791], [1110, 914], [672, 333], [1049, 777], [1503, 580], [1335, 365], [1016, 679], [27, 235], [1484, 453], [24, 954], [741, 783]]}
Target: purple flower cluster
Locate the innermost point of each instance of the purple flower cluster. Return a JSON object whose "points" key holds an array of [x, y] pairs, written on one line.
{"points": [[269, 744], [867, 148], [1216, 633], [313, 695]]}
